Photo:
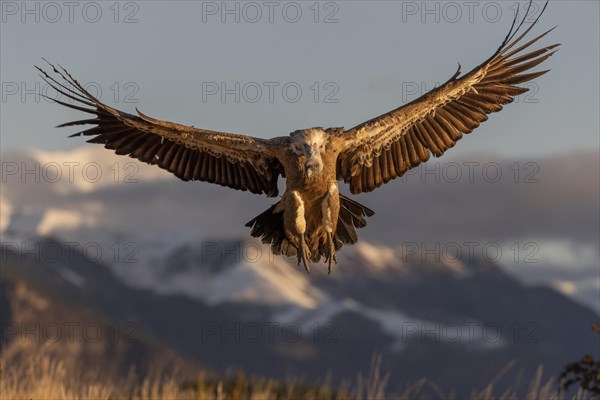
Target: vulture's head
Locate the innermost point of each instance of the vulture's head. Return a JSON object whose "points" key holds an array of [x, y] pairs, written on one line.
{"points": [[310, 143]]}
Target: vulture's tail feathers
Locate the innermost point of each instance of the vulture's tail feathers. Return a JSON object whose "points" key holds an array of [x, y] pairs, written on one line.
{"points": [[269, 227]]}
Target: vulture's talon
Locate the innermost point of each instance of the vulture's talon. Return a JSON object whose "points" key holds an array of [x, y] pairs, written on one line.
{"points": [[303, 254], [331, 257]]}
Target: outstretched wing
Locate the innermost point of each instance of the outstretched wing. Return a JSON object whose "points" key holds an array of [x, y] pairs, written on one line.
{"points": [[236, 161], [385, 147]]}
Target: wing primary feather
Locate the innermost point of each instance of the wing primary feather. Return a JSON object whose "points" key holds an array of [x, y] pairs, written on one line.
{"points": [[511, 45], [150, 150], [135, 141], [92, 121], [48, 79], [454, 134], [73, 106], [218, 177], [175, 160], [385, 172], [116, 140], [183, 164], [197, 173], [230, 178], [211, 169], [190, 165], [376, 172], [527, 77], [460, 114], [389, 153], [426, 140], [444, 137], [236, 175], [166, 161]]}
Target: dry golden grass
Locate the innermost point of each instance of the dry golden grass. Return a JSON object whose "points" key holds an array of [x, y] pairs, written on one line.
{"points": [[42, 377]]}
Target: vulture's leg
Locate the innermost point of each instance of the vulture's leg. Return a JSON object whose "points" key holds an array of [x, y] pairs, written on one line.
{"points": [[303, 253], [300, 229], [331, 256], [329, 208]]}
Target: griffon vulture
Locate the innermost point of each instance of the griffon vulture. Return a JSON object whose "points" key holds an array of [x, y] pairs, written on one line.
{"points": [[312, 220]]}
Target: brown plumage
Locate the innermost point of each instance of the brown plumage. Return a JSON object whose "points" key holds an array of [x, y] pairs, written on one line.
{"points": [[312, 220]]}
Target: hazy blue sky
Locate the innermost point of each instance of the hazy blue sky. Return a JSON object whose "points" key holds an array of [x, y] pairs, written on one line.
{"points": [[370, 57]]}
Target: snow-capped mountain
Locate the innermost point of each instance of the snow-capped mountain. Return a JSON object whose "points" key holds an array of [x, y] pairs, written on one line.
{"points": [[136, 217], [221, 312]]}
